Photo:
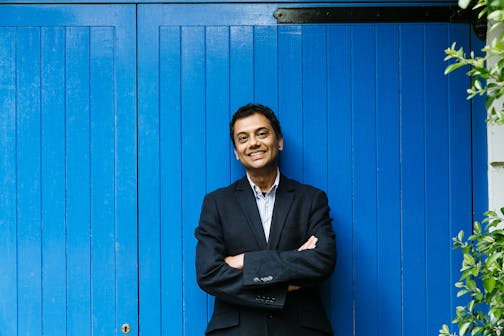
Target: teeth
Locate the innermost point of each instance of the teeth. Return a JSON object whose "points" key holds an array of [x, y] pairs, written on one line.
{"points": [[256, 153]]}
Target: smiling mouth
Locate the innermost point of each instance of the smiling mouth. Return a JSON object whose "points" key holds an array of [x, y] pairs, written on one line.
{"points": [[256, 154]]}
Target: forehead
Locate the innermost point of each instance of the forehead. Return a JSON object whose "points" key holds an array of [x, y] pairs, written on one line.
{"points": [[251, 123]]}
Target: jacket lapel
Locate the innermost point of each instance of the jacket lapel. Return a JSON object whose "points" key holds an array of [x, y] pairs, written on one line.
{"points": [[246, 199], [283, 200]]}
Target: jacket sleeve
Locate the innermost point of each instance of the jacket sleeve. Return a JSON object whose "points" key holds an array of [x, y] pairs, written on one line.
{"points": [[219, 279], [303, 268]]}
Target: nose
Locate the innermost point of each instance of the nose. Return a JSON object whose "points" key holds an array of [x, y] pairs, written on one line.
{"points": [[254, 141]]}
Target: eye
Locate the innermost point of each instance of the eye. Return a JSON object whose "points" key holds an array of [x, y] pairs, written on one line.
{"points": [[262, 133], [242, 138]]}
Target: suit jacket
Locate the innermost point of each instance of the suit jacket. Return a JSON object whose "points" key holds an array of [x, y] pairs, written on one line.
{"points": [[254, 300]]}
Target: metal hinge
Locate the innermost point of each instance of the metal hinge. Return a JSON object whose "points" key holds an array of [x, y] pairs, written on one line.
{"points": [[388, 14]]}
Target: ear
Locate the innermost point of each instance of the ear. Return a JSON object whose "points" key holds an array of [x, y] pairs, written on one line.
{"points": [[236, 155], [280, 144]]}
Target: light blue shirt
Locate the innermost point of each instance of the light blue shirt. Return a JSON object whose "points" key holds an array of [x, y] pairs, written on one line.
{"points": [[265, 203]]}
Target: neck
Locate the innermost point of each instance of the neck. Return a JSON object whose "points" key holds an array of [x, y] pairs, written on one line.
{"points": [[264, 179]]}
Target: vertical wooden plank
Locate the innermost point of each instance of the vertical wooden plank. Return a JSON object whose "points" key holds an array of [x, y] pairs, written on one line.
{"points": [[218, 144], [8, 177], [437, 233], [78, 182], [339, 189], [388, 181], [53, 181], [217, 99], [413, 177], [266, 66], [314, 139], [364, 178], [241, 77], [193, 178], [125, 189], [29, 181], [149, 230], [459, 165], [290, 97], [171, 181], [102, 137]]}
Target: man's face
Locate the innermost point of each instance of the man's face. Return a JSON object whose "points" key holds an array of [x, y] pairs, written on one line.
{"points": [[256, 144]]}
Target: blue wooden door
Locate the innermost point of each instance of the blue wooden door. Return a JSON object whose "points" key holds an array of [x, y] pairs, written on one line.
{"points": [[68, 227], [368, 116]]}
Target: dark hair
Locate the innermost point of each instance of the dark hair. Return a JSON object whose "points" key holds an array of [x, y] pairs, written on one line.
{"points": [[250, 109]]}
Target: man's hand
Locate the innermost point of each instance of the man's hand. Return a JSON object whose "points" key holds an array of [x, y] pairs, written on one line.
{"points": [[235, 261], [311, 243]]}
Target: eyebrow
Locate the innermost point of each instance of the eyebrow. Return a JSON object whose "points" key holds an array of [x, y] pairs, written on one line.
{"points": [[255, 130]]}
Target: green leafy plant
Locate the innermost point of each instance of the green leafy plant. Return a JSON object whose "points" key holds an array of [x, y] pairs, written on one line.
{"points": [[487, 70], [482, 279]]}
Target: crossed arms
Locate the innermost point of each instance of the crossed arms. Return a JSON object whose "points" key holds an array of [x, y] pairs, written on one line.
{"points": [[262, 277]]}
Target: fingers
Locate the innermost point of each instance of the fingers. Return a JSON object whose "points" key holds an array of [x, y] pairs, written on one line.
{"points": [[292, 288], [235, 261], [311, 243]]}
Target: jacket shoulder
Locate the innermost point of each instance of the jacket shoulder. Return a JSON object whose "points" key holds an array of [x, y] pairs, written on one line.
{"points": [[224, 192], [297, 186]]}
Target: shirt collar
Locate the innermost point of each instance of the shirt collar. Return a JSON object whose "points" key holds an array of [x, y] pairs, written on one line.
{"points": [[257, 190]]}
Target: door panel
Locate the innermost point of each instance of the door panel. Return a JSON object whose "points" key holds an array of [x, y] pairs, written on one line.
{"points": [[368, 116], [68, 201]]}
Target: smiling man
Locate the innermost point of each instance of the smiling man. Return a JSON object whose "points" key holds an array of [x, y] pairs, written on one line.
{"points": [[265, 243]]}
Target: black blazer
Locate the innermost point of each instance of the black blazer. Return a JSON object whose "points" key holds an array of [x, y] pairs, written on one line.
{"points": [[254, 300]]}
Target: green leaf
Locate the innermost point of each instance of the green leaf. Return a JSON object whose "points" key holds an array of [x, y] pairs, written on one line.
{"points": [[493, 258], [464, 3], [462, 292], [452, 67], [464, 328], [476, 331], [460, 235], [477, 227], [489, 284]]}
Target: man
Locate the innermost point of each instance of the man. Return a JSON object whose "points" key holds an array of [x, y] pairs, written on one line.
{"points": [[265, 242]]}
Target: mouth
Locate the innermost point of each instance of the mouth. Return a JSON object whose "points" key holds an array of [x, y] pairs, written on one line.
{"points": [[256, 154]]}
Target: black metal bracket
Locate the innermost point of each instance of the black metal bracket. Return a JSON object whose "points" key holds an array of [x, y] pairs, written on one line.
{"points": [[452, 14]]}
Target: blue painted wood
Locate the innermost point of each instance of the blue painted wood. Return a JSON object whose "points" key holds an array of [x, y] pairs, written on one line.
{"points": [[219, 157], [102, 168], [314, 135], [266, 66], [28, 157], [53, 181], [364, 180], [77, 183], [125, 187], [413, 177], [362, 108], [339, 189], [388, 183], [217, 114], [8, 183], [73, 169], [149, 197], [436, 185], [193, 178], [290, 96], [171, 183]]}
